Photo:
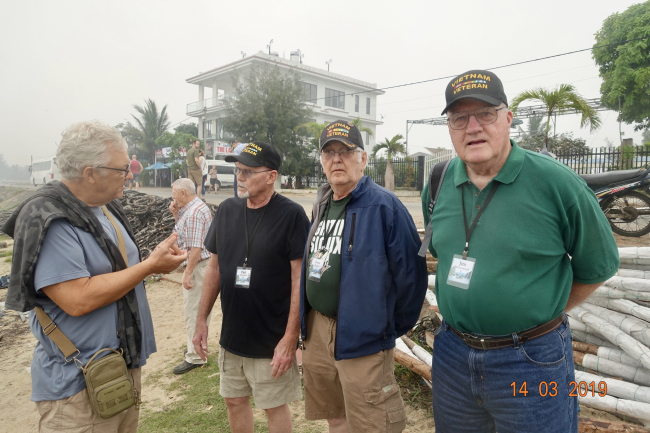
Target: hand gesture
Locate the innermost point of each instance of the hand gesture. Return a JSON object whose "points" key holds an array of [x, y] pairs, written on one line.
{"points": [[166, 256], [173, 208]]}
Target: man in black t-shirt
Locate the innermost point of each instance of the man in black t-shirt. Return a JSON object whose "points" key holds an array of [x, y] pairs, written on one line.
{"points": [[257, 243]]}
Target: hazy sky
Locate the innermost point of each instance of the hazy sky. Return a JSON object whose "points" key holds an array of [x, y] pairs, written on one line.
{"points": [[72, 60]]}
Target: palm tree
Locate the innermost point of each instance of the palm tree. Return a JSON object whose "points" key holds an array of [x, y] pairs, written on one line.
{"points": [[315, 129], [359, 124], [151, 124], [393, 146], [562, 98]]}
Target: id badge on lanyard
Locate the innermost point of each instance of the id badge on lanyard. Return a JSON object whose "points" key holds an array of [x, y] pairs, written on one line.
{"points": [[243, 274], [243, 277], [462, 267], [316, 265]]}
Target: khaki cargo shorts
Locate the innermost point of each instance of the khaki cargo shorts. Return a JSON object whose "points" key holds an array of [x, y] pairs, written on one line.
{"points": [[243, 377], [361, 389], [196, 176]]}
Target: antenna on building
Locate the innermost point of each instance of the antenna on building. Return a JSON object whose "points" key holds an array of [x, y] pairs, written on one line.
{"points": [[382, 117], [328, 62], [243, 54], [269, 46]]}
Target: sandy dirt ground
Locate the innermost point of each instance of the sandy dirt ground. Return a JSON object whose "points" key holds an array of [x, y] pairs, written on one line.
{"points": [[18, 414]]}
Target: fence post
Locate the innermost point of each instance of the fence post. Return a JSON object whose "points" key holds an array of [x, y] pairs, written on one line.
{"points": [[421, 173]]}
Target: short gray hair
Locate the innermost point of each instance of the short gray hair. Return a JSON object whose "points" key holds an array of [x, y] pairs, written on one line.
{"points": [[185, 184], [86, 144]]}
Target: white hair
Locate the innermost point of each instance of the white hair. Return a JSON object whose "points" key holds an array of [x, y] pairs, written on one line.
{"points": [[184, 184], [87, 144]]}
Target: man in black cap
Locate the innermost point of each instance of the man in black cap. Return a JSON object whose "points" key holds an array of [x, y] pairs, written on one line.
{"points": [[362, 287], [519, 238], [257, 243]]}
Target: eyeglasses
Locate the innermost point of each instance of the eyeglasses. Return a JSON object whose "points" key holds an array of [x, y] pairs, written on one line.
{"points": [[484, 116], [344, 154], [126, 169], [246, 172]]}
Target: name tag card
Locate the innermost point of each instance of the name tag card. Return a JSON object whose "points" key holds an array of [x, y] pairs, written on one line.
{"points": [[461, 271], [243, 277]]}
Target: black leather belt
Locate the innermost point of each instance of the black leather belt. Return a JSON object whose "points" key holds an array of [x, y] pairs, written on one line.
{"points": [[487, 343]]}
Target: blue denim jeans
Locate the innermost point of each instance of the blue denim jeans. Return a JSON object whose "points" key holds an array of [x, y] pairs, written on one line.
{"points": [[473, 388]]}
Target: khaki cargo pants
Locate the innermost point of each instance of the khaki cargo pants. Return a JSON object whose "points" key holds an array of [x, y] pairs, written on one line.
{"points": [[75, 414], [361, 389]]}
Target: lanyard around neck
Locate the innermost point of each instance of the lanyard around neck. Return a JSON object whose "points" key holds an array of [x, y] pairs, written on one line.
{"points": [[329, 232], [469, 230], [257, 226]]}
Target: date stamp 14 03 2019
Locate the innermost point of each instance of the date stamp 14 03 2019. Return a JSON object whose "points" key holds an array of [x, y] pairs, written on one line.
{"points": [[549, 389]]}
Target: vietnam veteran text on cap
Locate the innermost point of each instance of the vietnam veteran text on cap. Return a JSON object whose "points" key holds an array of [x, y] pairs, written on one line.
{"points": [[258, 154], [343, 131], [482, 85]]}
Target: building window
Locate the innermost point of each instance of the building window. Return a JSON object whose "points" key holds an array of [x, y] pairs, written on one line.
{"points": [[309, 93], [356, 103], [334, 98], [367, 105]]}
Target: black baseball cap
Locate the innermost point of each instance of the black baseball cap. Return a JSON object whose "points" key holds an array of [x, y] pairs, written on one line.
{"points": [[258, 154], [477, 84], [343, 131]]}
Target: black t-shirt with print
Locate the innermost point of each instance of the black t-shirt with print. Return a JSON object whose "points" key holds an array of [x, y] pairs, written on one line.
{"points": [[255, 319]]}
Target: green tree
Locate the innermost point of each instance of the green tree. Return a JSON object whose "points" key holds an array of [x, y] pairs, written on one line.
{"points": [[564, 97], [625, 66], [313, 129], [151, 124], [13, 172], [133, 138], [188, 128], [177, 141], [558, 144], [268, 107], [393, 147]]}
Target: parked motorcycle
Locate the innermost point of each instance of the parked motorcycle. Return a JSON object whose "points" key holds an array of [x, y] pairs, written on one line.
{"points": [[622, 197]]}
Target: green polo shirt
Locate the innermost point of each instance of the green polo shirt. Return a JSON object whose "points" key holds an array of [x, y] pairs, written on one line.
{"points": [[542, 230]]}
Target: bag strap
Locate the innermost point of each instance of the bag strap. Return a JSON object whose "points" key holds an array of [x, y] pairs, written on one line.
{"points": [[120, 239], [56, 335], [435, 183]]}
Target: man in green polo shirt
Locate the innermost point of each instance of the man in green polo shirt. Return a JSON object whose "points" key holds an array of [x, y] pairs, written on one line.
{"points": [[519, 238], [193, 168]]}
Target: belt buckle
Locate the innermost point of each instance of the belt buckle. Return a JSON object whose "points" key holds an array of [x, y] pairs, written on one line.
{"points": [[483, 344]]}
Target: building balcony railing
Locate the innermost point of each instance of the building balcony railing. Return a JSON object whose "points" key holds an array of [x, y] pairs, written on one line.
{"points": [[209, 103]]}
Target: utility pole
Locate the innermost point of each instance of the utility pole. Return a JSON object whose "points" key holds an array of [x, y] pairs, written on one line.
{"points": [[328, 62], [269, 46]]}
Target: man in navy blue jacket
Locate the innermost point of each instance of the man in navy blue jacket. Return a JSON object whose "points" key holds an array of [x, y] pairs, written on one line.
{"points": [[362, 286]]}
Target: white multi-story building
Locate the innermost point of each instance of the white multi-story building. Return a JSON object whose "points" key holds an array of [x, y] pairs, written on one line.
{"points": [[332, 96]]}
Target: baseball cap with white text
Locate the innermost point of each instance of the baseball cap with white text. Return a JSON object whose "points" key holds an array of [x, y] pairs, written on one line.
{"points": [[476, 84]]}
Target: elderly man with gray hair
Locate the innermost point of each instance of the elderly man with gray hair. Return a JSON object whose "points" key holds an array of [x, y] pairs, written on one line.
{"points": [[77, 266], [193, 219]]}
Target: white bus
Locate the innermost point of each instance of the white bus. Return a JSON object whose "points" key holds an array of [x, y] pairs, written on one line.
{"points": [[44, 170]]}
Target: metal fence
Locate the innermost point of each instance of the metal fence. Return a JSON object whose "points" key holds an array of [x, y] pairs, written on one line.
{"points": [[590, 161], [441, 155], [408, 174]]}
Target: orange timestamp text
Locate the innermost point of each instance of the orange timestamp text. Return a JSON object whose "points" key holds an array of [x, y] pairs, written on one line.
{"points": [[549, 389]]}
